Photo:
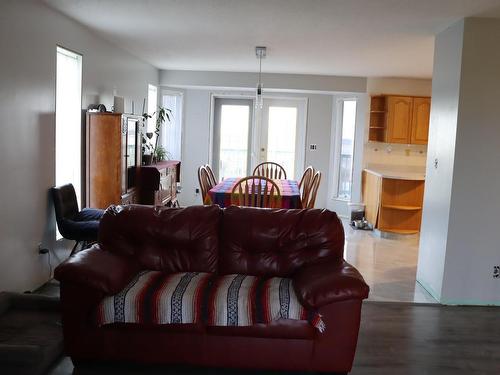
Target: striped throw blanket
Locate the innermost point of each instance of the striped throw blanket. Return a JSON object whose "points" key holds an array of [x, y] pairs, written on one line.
{"points": [[154, 297]]}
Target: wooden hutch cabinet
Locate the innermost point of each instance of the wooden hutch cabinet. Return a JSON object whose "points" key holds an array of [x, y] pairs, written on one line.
{"points": [[113, 155], [399, 119], [158, 183]]}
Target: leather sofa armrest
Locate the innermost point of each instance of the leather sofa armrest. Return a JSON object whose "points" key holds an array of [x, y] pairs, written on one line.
{"points": [[98, 269], [320, 284]]}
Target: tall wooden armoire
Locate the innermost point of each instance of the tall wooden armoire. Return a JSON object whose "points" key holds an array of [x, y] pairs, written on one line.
{"points": [[113, 154]]}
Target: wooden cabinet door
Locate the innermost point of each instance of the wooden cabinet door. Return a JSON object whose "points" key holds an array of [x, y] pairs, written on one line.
{"points": [[420, 121], [104, 172], [399, 116]]}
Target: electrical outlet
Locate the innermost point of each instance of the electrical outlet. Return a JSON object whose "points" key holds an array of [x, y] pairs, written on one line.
{"points": [[313, 146], [196, 191], [496, 272]]}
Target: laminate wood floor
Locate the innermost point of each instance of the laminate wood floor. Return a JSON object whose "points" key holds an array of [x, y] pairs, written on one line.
{"points": [[395, 338]]}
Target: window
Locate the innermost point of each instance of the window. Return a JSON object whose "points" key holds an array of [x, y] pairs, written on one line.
{"points": [[345, 148], [171, 133], [152, 107], [68, 119]]}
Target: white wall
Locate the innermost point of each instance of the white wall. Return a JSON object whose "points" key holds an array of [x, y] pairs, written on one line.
{"points": [[29, 33], [199, 86], [196, 142], [396, 154], [460, 237], [441, 146], [473, 235], [245, 80]]}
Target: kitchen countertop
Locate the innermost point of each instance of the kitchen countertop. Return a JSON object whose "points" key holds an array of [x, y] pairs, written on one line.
{"points": [[397, 172]]}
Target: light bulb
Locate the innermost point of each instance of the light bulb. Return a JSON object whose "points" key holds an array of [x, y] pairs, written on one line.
{"points": [[258, 97]]}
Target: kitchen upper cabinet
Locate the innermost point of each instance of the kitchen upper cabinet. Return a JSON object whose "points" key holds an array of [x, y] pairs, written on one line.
{"points": [[399, 117], [420, 121]]}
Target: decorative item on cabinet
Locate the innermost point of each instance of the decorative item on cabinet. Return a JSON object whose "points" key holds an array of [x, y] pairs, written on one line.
{"points": [[158, 183], [399, 119], [112, 156]]}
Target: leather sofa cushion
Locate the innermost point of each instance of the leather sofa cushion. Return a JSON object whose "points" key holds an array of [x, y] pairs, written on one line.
{"points": [[274, 242], [164, 239]]}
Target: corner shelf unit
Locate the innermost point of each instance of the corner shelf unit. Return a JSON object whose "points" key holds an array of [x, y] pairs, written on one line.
{"points": [[393, 205], [378, 114]]}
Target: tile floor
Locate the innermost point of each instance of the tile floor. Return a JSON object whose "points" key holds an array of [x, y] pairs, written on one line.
{"points": [[389, 266]]}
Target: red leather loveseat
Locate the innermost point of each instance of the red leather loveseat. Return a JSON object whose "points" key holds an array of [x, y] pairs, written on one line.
{"points": [[304, 246]]}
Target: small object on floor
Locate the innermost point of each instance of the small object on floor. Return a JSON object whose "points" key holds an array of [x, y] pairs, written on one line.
{"points": [[361, 224], [31, 337]]}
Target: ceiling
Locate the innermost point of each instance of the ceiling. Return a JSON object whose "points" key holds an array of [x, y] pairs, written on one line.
{"points": [[380, 38]]}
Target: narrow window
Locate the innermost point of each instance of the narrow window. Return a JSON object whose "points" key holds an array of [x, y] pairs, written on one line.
{"points": [[152, 107], [68, 119], [345, 153], [171, 133]]}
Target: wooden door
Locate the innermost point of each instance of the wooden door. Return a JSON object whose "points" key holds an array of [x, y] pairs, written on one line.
{"points": [[420, 121], [103, 159], [399, 116]]}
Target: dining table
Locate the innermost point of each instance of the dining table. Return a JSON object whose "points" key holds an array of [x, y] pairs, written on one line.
{"points": [[220, 194]]}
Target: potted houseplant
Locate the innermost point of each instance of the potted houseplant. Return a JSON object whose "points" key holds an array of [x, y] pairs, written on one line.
{"points": [[157, 152], [147, 148]]}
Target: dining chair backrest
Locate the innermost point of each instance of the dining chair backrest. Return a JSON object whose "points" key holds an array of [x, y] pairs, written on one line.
{"points": [[211, 175], [305, 183], [256, 191], [204, 181], [311, 199], [271, 170]]}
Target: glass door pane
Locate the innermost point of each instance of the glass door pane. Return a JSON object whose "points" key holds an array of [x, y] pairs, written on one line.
{"points": [[281, 135], [231, 137]]}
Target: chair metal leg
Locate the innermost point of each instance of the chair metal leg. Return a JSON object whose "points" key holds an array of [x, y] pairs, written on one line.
{"points": [[73, 251]]}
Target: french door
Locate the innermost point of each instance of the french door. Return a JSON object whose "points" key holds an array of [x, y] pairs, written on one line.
{"points": [[244, 137], [282, 134]]}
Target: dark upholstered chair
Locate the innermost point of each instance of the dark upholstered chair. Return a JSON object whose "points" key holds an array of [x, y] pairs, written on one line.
{"points": [[80, 226]]}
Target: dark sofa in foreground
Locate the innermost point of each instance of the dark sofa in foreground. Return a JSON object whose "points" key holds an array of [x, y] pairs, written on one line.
{"points": [[226, 274]]}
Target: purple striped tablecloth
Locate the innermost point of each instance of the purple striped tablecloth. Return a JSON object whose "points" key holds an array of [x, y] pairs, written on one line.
{"points": [[221, 193]]}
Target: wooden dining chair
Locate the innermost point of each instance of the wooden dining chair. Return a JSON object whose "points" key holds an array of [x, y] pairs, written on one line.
{"points": [[256, 191], [305, 183], [270, 169], [204, 181], [311, 199], [211, 174]]}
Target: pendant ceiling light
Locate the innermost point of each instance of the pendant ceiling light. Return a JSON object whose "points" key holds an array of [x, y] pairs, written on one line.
{"points": [[260, 52]]}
